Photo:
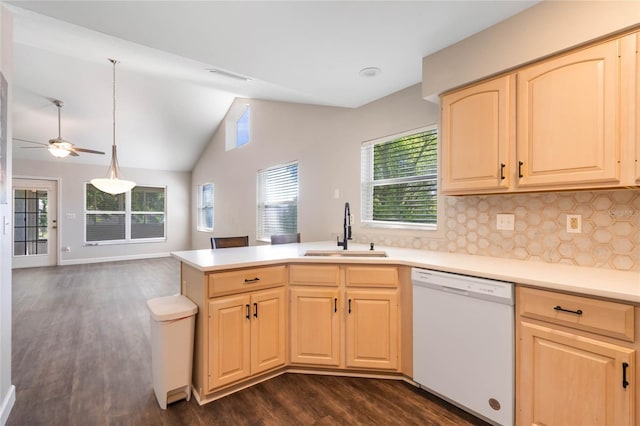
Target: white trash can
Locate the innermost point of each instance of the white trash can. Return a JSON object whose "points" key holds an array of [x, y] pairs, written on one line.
{"points": [[172, 331]]}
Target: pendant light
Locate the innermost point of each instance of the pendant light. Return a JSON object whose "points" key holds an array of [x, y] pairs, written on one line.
{"points": [[112, 183]]}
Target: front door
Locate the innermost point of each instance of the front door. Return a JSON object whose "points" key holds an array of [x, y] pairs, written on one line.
{"points": [[35, 233]]}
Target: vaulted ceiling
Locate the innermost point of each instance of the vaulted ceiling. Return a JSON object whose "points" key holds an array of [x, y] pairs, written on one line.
{"points": [[168, 103]]}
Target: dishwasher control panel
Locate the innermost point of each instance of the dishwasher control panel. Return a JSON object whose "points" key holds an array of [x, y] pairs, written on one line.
{"points": [[494, 290]]}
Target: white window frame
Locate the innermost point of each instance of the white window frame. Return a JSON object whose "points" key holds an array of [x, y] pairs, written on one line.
{"points": [[367, 184], [201, 208], [261, 192], [231, 125], [127, 219]]}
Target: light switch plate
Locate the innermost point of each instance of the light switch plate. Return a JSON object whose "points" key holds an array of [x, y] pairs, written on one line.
{"points": [[505, 222]]}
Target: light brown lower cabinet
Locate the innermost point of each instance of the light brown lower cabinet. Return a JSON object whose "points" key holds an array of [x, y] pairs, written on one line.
{"points": [[569, 376], [345, 316], [315, 326], [246, 335], [372, 329]]}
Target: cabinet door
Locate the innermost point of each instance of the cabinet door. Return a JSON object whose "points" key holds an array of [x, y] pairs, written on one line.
{"points": [[315, 326], [637, 113], [229, 340], [477, 126], [571, 380], [568, 112], [372, 329], [267, 330]]}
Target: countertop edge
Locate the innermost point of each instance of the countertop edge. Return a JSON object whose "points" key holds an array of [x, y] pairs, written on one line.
{"points": [[621, 285]]}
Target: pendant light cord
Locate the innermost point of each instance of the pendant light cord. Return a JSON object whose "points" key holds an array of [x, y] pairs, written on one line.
{"points": [[113, 169], [58, 104], [114, 62]]}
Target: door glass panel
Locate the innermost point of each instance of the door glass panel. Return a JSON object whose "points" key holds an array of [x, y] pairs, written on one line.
{"points": [[30, 232]]}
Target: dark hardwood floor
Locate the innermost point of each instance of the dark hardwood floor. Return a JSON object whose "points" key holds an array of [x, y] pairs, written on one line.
{"points": [[81, 356]]}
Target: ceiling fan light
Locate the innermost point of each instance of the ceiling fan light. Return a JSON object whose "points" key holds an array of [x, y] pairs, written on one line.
{"points": [[113, 185], [59, 152]]}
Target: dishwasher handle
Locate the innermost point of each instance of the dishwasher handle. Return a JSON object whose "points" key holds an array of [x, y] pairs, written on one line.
{"points": [[454, 290]]}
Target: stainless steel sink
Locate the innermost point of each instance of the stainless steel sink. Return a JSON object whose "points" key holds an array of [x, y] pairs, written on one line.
{"points": [[346, 253]]}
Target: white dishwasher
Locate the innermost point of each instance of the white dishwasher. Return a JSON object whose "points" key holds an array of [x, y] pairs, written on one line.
{"points": [[463, 342]]}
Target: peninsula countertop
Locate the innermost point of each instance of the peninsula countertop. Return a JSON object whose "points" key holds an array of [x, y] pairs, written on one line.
{"points": [[606, 283]]}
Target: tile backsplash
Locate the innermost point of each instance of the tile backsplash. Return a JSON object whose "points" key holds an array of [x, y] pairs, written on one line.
{"points": [[610, 236]]}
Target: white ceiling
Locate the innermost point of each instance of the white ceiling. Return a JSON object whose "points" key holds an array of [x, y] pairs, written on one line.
{"points": [[169, 106]]}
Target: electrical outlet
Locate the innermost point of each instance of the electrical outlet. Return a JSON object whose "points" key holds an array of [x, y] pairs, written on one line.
{"points": [[574, 223], [505, 222]]}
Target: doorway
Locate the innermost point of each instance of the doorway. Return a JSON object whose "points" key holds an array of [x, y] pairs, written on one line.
{"points": [[35, 224]]}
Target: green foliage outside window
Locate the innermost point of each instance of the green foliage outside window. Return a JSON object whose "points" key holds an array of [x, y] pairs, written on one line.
{"points": [[145, 199], [102, 201]]}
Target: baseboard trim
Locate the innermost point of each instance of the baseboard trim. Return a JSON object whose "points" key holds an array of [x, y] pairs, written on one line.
{"points": [[112, 259], [235, 387], [7, 405]]}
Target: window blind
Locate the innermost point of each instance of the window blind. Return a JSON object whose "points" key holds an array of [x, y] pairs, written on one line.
{"points": [[277, 189], [399, 180]]}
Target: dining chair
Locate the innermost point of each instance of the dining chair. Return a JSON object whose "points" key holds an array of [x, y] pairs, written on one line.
{"points": [[226, 242], [285, 238]]}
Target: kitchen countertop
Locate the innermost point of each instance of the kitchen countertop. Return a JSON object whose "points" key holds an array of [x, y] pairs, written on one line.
{"points": [[607, 283]]}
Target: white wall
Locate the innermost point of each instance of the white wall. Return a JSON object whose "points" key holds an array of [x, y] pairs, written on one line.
{"points": [[546, 28], [7, 390], [324, 140], [71, 198]]}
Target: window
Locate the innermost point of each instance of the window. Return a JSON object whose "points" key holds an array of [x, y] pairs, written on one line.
{"points": [[31, 224], [136, 215], [277, 201], [399, 180], [205, 207], [237, 126], [242, 128], [147, 212]]}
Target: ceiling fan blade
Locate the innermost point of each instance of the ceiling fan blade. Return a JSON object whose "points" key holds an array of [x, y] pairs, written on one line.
{"points": [[73, 153], [88, 151], [27, 140]]}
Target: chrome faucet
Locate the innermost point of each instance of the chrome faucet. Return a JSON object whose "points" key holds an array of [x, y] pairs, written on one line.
{"points": [[347, 227]]}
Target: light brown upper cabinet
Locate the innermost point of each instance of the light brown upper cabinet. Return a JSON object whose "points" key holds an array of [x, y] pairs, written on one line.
{"points": [[636, 112], [477, 127], [568, 122]]}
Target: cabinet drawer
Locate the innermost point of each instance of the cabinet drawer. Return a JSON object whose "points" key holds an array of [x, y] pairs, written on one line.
{"points": [[322, 275], [372, 276], [583, 313], [245, 279]]}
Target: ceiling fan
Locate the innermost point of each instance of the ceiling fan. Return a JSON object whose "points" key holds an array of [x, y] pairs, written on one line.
{"points": [[59, 147]]}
